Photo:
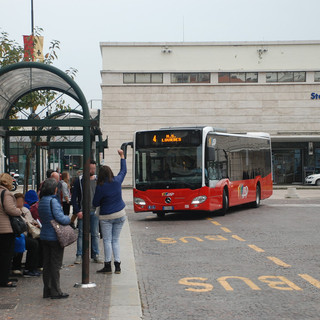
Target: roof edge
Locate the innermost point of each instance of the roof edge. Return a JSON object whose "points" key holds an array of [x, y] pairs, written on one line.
{"points": [[209, 43]]}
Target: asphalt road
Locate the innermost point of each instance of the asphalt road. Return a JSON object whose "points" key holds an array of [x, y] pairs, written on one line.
{"points": [[250, 264]]}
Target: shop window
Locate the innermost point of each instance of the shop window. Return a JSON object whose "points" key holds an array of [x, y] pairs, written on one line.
{"points": [[317, 158]]}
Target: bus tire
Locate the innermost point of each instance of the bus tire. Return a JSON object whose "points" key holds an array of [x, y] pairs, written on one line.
{"points": [[256, 203], [160, 214], [225, 203]]}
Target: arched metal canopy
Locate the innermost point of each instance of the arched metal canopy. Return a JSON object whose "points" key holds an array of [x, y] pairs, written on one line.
{"points": [[18, 80], [21, 78]]}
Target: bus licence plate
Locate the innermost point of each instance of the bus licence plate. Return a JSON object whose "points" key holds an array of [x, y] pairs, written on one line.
{"points": [[167, 208]]}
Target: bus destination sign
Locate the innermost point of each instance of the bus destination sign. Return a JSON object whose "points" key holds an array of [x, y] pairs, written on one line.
{"points": [[166, 138]]}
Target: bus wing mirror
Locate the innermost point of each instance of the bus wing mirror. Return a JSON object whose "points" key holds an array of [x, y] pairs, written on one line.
{"points": [[211, 154], [124, 147]]}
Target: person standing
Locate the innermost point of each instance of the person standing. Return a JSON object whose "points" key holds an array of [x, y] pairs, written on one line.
{"points": [[108, 197], [50, 209], [76, 201], [32, 245], [7, 208], [66, 195]]}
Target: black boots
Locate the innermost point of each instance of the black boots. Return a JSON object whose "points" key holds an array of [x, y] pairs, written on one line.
{"points": [[117, 266], [106, 268]]}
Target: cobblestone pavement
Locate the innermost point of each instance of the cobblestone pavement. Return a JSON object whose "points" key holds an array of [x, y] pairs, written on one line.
{"points": [[250, 264], [27, 302], [164, 268]]}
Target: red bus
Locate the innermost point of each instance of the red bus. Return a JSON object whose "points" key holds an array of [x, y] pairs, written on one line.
{"points": [[199, 169]]}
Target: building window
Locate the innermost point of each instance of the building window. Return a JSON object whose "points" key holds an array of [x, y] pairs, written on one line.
{"points": [[237, 77], [288, 76], [142, 78], [128, 78], [202, 77], [317, 76]]}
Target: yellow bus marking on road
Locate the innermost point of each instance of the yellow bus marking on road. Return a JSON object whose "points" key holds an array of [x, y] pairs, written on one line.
{"points": [[227, 287], [225, 229], [252, 246], [216, 223], [183, 239], [282, 284], [209, 218], [279, 262], [166, 240], [206, 286], [237, 238], [214, 238], [311, 280]]}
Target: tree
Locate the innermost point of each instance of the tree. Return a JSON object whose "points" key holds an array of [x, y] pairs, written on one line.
{"points": [[12, 52]]}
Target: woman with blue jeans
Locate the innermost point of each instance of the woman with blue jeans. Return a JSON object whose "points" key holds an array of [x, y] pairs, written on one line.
{"points": [[108, 196]]}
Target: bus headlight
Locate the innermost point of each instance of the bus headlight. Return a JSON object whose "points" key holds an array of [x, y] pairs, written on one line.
{"points": [[198, 200], [139, 202]]}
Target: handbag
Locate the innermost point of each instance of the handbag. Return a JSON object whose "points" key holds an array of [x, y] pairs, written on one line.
{"points": [[33, 230], [18, 225], [65, 233]]}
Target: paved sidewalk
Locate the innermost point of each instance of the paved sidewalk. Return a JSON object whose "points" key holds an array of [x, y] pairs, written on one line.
{"points": [[114, 297], [303, 194]]}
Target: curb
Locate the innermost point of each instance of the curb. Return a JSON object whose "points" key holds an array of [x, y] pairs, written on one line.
{"points": [[125, 300]]}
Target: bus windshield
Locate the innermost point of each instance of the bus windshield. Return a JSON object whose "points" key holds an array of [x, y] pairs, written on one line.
{"points": [[168, 167]]}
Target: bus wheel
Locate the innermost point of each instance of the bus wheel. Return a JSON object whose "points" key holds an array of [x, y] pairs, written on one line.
{"points": [[160, 214], [256, 204], [225, 203]]}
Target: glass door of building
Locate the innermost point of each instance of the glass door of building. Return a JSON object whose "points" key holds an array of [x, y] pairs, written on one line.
{"points": [[287, 166]]}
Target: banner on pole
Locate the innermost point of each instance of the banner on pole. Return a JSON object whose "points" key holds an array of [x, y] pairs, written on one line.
{"points": [[38, 48], [28, 48], [33, 48]]}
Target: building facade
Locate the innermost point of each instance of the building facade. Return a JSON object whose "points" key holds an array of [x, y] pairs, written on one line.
{"points": [[242, 87]]}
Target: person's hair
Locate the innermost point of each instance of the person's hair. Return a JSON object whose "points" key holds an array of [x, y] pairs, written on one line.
{"points": [[19, 195], [105, 174], [49, 187], [48, 173], [92, 162], [65, 177], [6, 181]]}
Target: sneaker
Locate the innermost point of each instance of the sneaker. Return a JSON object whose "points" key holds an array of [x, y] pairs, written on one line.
{"points": [[78, 260], [97, 259], [17, 272], [106, 269], [31, 274]]}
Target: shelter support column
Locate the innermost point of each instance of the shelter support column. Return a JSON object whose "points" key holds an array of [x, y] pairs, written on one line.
{"points": [[86, 204]]}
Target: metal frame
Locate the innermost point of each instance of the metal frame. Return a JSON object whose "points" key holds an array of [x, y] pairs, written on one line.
{"points": [[86, 123]]}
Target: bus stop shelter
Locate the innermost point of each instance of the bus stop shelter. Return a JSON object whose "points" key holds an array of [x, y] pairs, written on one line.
{"points": [[22, 78]]}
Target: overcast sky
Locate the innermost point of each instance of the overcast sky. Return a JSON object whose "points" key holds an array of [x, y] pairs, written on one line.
{"points": [[80, 25]]}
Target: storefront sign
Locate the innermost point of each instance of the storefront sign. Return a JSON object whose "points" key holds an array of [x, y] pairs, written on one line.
{"points": [[315, 96]]}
